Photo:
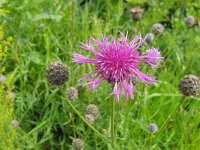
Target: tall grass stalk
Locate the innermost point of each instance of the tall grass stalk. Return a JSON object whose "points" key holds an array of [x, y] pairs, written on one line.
{"points": [[169, 117]]}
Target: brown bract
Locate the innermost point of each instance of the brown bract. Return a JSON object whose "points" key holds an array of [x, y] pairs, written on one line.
{"points": [[14, 123], [137, 13], [78, 144], [189, 85], [72, 93], [92, 110], [90, 119], [57, 73], [136, 10]]}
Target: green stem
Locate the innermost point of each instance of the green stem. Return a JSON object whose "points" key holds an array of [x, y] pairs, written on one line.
{"points": [[95, 137], [112, 123], [29, 138], [183, 9], [76, 111], [73, 124], [169, 117]]}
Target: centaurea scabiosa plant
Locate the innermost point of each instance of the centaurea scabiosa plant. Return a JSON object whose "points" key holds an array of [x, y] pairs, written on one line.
{"points": [[117, 61]]}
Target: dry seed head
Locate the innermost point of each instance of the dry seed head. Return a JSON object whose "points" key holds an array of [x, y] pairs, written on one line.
{"points": [[150, 38], [136, 13], [2, 78], [36, 30], [134, 30], [78, 144], [42, 26], [106, 133], [72, 93], [189, 85], [57, 73], [92, 110], [137, 16], [89, 118], [11, 95], [14, 123], [152, 128], [189, 21], [157, 28]]}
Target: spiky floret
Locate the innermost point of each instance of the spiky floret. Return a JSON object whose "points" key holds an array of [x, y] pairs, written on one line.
{"points": [[72, 93], [157, 28], [57, 73], [189, 21], [152, 128], [117, 62], [189, 85], [78, 144], [92, 110]]}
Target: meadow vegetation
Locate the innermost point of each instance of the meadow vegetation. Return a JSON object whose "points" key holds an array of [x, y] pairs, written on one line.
{"points": [[35, 33]]}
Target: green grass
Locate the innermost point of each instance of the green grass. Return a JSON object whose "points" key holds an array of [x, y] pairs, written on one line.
{"points": [[40, 109]]}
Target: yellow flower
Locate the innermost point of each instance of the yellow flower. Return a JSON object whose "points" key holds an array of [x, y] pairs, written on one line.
{"points": [[8, 134]]}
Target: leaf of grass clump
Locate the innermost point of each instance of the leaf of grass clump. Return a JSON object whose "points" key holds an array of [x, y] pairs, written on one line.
{"points": [[37, 127], [35, 57], [46, 16]]}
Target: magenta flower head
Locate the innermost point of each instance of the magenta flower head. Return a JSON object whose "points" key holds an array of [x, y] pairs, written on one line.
{"points": [[117, 62]]}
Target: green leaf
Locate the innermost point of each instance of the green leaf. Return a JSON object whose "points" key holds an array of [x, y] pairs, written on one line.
{"points": [[35, 57], [46, 16]]}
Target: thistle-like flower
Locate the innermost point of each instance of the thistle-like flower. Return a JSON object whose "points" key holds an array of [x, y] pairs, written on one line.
{"points": [[14, 123], [189, 85], [92, 110], [152, 128], [117, 62], [57, 73], [78, 144], [157, 28], [189, 21], [72, 93]]}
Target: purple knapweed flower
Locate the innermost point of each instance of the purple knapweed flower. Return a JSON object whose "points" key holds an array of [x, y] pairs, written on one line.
{"points": [[117, 62]]}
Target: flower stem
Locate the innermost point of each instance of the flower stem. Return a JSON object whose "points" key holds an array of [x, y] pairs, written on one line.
{"points": [[76, 111], [72, 114], [112, 123], [183, 9], [169, 117]]}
